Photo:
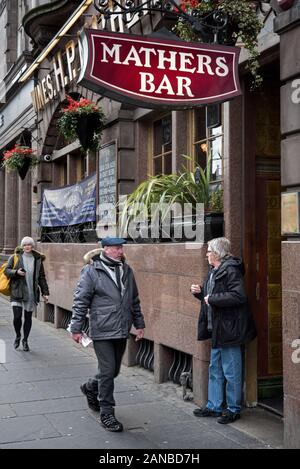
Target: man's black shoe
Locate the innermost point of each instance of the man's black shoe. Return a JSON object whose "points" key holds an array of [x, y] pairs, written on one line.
{"points": [[110, 423], [205, 412], [92, 400], [17, 342], [228, 417], [25, 345]]}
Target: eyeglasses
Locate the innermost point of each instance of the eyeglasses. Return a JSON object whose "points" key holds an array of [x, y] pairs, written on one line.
{"points": [[208, 250]]}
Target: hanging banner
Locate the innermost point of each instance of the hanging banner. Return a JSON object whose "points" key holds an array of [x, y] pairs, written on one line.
{"points": [[153, 72], [70, 205]]}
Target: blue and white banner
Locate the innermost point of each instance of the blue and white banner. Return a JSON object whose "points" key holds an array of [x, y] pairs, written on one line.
{"points": [[70, 205]]}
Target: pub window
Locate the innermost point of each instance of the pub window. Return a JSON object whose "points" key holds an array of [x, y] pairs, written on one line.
{"points": [[208, 140], [162, 146]]}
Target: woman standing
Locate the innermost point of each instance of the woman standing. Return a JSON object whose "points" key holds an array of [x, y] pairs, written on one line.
{"points": [[27, 275], [226, 319]]}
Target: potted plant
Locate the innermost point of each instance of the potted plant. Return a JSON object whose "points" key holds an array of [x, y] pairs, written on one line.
{"points": [[20, 159], [84, 120], [163, 191], [239, 17]]}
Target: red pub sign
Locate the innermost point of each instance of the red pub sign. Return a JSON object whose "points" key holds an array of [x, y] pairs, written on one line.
{"points": [[154, 72]]}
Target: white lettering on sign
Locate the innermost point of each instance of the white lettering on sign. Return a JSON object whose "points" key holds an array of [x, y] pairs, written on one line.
{"points": [[204, 61], [167, 60], [147, 58], [185, 59], [113, 52], [149, 86], [158, 72], [222, 68], [133, 56]]}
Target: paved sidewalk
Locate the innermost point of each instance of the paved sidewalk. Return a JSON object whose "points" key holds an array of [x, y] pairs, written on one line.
{"points": [[41, 405]]}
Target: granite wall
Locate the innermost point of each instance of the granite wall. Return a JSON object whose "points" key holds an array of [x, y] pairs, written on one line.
{"points": [[291, 346], [287, 25]]}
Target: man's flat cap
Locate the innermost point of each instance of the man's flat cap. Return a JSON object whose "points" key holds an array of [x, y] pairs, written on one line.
{"points": [[109, 241]]}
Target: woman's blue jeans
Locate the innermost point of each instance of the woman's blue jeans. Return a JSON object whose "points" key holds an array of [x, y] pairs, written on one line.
{"points": [[225, 366]]}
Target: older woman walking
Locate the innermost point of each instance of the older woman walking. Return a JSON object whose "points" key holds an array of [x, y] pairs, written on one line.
{"points": [[26, 271], [226, 319]]}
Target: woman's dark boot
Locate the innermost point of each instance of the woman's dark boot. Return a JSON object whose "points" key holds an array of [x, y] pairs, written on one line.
{"points": [[17, 342], [25, 345]]}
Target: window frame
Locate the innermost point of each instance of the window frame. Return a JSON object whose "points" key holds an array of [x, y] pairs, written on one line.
{"points": [[164, 153], [207, 140]]}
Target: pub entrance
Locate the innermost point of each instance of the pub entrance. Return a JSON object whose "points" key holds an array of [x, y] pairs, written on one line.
{"points": [[263, 234]]}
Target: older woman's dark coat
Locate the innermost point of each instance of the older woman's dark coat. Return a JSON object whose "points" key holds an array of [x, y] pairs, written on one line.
{"points": [[232, 321]]}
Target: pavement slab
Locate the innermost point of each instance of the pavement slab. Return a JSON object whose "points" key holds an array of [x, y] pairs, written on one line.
{"points": [[26, 429]]}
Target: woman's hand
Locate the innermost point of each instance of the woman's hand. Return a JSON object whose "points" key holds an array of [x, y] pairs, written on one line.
{"points": [[46, 298], [21, 272], [195, 289]]}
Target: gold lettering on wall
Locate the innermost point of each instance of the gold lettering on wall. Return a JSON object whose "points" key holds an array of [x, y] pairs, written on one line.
{"points": [[64, 71]]}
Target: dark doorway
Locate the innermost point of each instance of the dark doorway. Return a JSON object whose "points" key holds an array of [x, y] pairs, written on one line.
{"points": [[263, 232]]}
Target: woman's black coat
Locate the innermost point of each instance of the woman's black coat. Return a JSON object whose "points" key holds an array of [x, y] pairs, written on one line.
{"points": [[232, 322]]}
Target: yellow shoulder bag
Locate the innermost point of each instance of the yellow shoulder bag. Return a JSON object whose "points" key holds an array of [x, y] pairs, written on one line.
{"points": [[5, 281]]}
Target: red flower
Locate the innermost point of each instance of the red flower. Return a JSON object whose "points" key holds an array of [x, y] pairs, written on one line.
{"points": [[189, 4], [192, 4], [19, 150], [81, 104]]}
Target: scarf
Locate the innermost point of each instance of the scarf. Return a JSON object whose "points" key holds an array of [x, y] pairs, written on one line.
{"points": [[210, 287], [115, 270]]}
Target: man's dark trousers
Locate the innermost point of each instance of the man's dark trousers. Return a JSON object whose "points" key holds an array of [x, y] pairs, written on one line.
{"points": [[109, 354]]}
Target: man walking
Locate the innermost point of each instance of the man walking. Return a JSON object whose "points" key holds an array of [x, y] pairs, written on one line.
{"points": [[106, 288]]}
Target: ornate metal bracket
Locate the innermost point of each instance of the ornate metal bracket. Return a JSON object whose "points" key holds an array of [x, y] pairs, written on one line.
{"points": [[130, 8], [208, 26]]}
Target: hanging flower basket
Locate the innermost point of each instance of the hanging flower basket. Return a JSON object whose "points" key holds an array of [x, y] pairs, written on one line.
{"points": [[242, 23], [21, 159], [84, 120]]}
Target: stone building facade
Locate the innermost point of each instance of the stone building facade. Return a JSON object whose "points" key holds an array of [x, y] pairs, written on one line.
{"points": [[287, 25]]}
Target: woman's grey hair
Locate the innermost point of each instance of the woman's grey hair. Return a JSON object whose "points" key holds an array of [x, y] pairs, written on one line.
{"points": [[27, 240], [220, 247]]}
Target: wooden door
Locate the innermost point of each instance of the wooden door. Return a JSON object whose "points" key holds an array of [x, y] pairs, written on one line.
{"points": [[267, 301]]}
